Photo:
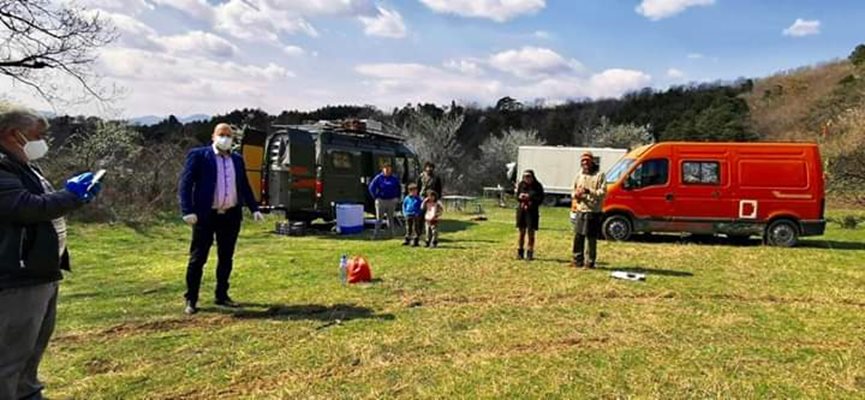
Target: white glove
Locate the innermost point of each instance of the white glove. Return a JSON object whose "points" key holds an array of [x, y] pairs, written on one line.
{"points": [[257, 216], [190, 219]]}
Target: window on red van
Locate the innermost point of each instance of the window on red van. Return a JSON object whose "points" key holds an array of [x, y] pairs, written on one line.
{"points": [[619, 169], [650, 173], [701, 172]]}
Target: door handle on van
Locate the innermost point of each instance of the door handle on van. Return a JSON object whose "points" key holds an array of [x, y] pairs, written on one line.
{"points": [[669, 197]]}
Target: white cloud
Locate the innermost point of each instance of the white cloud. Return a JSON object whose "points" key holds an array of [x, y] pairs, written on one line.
{"points": [[496, 10], [203, 43], [554, 80], [258, 21], [802, 28], [616, 81], [132, 32], [267, 20], [294, 51], [135, 34], [195, 8], [395, 84], [543, 35], [467, 67], [186, 83], [675, 74], [660, 9], [126, 6], [530, 62], [388, 23], [695, 56]]}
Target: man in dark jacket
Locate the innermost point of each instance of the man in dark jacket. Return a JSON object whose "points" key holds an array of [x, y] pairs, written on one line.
{"points": [[32, 249], [428, 180], [213, 189]]}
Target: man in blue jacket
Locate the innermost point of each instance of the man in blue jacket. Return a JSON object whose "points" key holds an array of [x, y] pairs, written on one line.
{"points": [[386, 190], [32, 249], [213, 189]]}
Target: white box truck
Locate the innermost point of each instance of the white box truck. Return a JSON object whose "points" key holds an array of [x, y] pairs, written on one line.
{"points": [[556, 167]]}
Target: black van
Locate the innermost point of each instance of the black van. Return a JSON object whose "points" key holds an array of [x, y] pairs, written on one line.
{"points": [[305, 170]]}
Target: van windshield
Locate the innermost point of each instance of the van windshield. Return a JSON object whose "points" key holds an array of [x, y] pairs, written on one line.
{"points": [[619, 169]]}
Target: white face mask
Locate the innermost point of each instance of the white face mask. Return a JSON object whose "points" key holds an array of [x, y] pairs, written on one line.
{"points": [[224, 143], [34, 149]]}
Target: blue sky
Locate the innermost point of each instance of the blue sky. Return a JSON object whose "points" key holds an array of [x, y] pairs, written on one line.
{"points": [[200, 56]]}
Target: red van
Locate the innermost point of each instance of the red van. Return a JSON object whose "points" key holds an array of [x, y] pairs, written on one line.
{"points": [[773, 190]]}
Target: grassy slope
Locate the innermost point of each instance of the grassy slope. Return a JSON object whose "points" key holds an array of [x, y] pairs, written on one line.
{"points": [[465, 320], [792, 95]]}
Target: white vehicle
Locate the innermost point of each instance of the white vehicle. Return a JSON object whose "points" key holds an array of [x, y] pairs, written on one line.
{"points": [[556, 167]]}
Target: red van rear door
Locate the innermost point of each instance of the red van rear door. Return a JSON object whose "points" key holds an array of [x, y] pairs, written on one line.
{"points": [[703, 192]]}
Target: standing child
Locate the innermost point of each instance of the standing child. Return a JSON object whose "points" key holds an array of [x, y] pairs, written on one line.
{"points": [[434, 210], [411, 210]]}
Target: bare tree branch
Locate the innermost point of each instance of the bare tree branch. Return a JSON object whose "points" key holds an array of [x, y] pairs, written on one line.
{"points": [[45, 35]]}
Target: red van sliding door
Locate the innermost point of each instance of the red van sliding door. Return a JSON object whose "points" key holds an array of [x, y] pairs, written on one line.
{"points": [[704, 193]]}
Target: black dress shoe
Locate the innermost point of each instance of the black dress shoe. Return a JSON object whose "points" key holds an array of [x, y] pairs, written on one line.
{"points": [[226, 302], [190, 308]]}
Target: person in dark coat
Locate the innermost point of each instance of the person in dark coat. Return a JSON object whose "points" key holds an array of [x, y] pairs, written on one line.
{"points": [[213, 190], [429, 180], [32, 248], [530, 195]]}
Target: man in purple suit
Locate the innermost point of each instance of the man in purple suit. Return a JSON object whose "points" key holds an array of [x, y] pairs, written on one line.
{"points": [[213, 190]]}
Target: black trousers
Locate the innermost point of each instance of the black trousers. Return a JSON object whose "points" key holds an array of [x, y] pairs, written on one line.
{"points": [[226, 228], [413, 228]]}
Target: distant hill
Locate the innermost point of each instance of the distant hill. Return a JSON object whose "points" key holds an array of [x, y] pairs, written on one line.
{"points": [[823, 103], [801, 104], [148, 120]]}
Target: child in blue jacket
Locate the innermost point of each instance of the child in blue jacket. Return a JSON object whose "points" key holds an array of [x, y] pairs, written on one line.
{"points": [[411, 210]]}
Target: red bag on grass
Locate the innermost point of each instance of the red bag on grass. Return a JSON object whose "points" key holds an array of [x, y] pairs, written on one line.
{"points": [[358, 270]]}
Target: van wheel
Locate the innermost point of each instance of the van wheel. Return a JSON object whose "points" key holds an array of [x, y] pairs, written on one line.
{"points": [[618, 228], [782, 233], [551, 201]]}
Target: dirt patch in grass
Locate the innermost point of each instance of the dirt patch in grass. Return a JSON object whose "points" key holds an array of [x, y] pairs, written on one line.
{"points": [[127, 329], [99, 366], [534, 299]]}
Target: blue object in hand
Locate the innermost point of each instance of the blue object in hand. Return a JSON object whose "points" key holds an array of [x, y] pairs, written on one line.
{"points": [[81, 186]]}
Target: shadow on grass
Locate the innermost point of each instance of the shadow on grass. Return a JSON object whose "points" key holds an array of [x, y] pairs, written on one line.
{"points": [[649, 271], [564, 261], [737, 242], [694, 239], [297, 312], [831, 244], [446, 240], [451, 226]]}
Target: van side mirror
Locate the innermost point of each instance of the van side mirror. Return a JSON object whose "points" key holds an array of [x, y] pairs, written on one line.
{"points": [[630, 183]]}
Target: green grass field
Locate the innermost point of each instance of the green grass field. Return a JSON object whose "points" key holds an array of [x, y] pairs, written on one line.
{"points": [[466, 320]]}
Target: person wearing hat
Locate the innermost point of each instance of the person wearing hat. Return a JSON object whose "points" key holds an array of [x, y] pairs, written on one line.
{"points": [[586, 201], [530, 194]]}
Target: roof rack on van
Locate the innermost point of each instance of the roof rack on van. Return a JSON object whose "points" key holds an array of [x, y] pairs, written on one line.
{"points": [[354, 127]]}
